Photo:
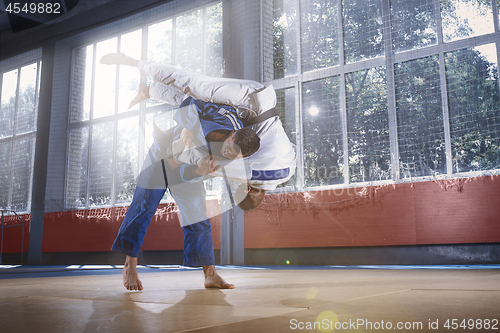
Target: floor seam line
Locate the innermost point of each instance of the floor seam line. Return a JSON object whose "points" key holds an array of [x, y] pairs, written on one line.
{"points": [[240, 321], [376, 295], [432, 289]]}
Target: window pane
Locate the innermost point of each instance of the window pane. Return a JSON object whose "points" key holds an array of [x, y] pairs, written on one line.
{"points": [[466, 18], [285, 38], [26, 109], [7, 111], [363, 29], [105, 80], [76, 191], [474, 103], [368, 126], [323, 150], [101, 165], [413, 24], [320, 31], [420, 118], [22, 167], [160, 42], [127, 149], [189, 41], [286, 107], [159, 47], [213, 43], [164, 119], [130, 44], [5, 169]]}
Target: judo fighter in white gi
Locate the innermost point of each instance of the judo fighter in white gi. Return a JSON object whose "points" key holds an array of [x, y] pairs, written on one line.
{"points": [[226, 128]]}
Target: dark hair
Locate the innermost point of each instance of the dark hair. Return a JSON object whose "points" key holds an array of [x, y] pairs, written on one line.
{"points": [[246, 140]]}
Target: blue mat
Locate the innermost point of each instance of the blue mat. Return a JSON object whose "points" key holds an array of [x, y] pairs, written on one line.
{"points": [[30, 271]]}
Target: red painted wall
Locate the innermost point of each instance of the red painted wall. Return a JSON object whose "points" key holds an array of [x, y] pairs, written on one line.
{"points": [[12, 236], [405, 214], [468, 211], [96, 229]]}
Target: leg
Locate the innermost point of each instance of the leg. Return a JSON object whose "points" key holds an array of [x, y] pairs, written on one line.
{"points": [[198, 251], [198, 245], [219, 90], [244, 94], [142, 95], [141, 210], [132, 232]]}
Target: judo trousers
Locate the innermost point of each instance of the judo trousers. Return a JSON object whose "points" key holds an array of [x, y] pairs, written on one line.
{"points": [[190, 199]]}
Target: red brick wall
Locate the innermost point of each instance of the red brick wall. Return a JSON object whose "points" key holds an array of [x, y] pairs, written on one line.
{"points": [[404, 214]]}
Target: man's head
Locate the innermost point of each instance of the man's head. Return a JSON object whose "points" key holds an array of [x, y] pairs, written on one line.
{"points": [[240, 143], [248, 198]]}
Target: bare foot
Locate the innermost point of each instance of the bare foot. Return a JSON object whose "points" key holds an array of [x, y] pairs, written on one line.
{"points": [[142, 95], [118, 59], [130, 277], [214, 280]]}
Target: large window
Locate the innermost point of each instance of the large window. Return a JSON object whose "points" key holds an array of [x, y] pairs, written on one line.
{"points": [[18, 117], [107, 139], [388, 89]]}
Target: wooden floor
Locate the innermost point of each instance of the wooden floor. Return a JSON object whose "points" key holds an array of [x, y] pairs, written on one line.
{"points": [[266, 299]]}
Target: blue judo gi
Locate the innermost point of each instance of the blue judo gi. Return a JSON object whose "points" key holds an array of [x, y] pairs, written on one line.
{"points": [[201, 118]]}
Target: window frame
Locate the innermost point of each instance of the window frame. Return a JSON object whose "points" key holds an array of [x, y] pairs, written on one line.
{"points": [[142, 112], [17, 137], [389, 59]]}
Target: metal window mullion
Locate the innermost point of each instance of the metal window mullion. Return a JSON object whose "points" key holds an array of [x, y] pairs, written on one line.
{"points": [[444, 89], [301, 181], [37, 86], [174, 25], [496, 19], [298, 37], [343, 100], [90, 125], [32, 167], [299, 137], [115, 127], [446, 114], [117, 77], [261, 42], [204, 44], [142, 105], [92, 82], [113, 162], [33, 134], [16, 102], [341, 34], [89, 164], [391, 90], [14, 140], [345, 139], [439, 22], [11, 154]]}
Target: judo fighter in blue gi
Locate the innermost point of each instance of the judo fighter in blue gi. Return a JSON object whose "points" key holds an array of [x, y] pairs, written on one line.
{"points": [[210, 140]]}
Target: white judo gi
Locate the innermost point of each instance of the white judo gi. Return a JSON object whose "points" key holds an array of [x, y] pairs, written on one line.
{"points": [[275, 161]]}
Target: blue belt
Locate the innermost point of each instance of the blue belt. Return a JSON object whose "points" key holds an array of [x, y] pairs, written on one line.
{"points": [[270, 174]]}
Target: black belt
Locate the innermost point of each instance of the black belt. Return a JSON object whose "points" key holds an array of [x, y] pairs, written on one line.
{"points": [[263, 116]]}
